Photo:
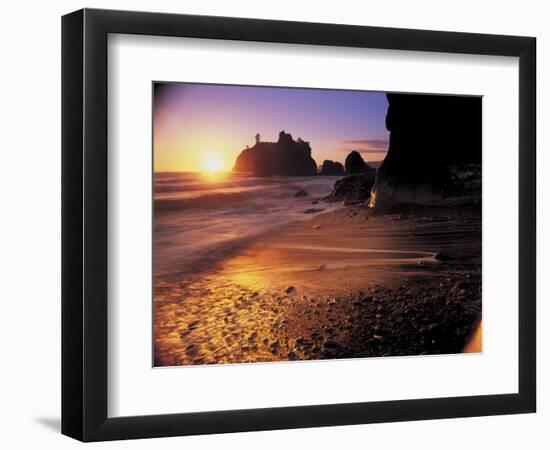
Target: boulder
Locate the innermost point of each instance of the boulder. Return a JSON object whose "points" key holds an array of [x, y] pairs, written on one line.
{"points": [[353, 188], [313, 210], [284, 157]]}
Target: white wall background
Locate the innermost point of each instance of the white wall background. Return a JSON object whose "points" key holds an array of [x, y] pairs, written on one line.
{"points": [[30, 222]]}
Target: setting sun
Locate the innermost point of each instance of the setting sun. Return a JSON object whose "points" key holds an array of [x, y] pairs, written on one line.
{"points": [[212, 163]]}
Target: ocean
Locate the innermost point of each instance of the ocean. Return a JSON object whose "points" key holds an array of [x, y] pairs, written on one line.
{"points": [[200, 219]]}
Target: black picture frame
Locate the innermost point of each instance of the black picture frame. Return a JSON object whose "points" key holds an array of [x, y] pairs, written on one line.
{"points": [[84, 224]]}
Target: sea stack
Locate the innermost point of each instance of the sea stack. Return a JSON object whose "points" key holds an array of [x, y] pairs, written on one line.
{"points": [[431, 138], [355, 164], [331, 168], [285, 157]]}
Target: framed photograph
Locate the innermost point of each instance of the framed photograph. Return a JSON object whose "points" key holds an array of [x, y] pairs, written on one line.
{"points": [[273, 224]]}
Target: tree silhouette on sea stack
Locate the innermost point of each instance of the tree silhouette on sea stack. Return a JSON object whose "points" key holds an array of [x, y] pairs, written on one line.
{"points": [[284, 157]]}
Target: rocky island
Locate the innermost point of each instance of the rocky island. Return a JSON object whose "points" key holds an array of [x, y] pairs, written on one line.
{"points": [[331, 168], [356, 164], [285, 157]]}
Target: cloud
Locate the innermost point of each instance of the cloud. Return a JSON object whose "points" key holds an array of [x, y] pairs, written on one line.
{"points": [[365, 151], [367, 145]]}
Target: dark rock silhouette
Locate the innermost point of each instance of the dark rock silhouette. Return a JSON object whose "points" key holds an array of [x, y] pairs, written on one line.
{"points": [[353, 188], [313, 210], [430, 136], [331, 168], [355, 164], [284, 157]]}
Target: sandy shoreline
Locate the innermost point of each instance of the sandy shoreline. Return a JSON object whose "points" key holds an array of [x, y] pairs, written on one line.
{"points": [[343, 284]]}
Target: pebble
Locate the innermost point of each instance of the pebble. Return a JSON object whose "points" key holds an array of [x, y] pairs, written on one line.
{"points": [[193, 325], [442, 256], [191, 349], [414, 291], [330, 343]]}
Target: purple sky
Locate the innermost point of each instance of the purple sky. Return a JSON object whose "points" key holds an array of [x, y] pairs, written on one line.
{"points": [[194, 123]]}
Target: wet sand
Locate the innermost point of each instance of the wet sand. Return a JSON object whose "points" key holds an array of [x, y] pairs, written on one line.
{"points": [[343, 284]]}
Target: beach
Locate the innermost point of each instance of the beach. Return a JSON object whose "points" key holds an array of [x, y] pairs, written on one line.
{"points": [[258, 273]]}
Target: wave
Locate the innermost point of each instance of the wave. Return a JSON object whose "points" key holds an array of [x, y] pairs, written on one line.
{"points": [[195, 230], [206, 201]]}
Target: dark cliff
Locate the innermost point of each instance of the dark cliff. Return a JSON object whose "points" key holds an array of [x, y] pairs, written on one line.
{"points": [[284, 157], [430, 136]]}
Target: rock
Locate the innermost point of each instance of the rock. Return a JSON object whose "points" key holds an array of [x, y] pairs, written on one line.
{"points": [[290, 289], [350, 202], [414, 291], [301, 193], [330, 343], [191, 349], [331, 168], [193, 325], [284, 157], [354, 188], [430, 136], [355, 164], [443, 256], [313, 210]]}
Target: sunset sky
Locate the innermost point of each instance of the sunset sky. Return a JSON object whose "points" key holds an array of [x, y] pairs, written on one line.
{"points": [[200, 127]]}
